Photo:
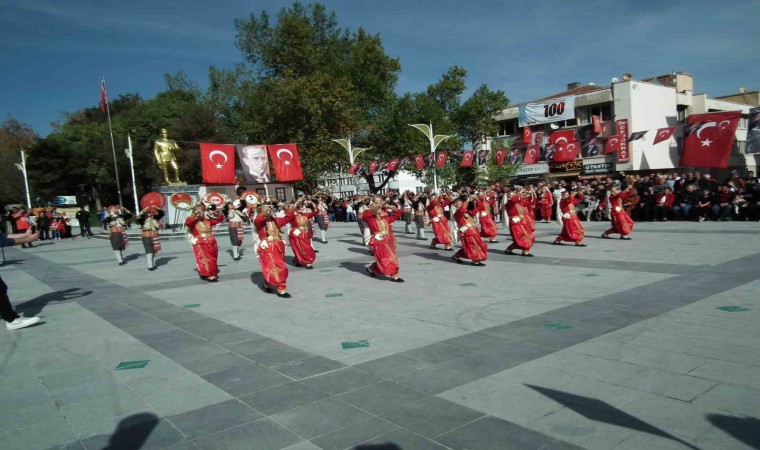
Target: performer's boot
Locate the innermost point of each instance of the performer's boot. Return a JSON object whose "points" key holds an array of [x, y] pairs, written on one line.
{"points": [[408, 229], [323, 236], [236, 252], [421, 234], [150, 257], [119, 258]]}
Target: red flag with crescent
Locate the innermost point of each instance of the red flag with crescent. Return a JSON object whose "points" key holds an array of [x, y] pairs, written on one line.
{"points": [[354, 167], [499, 155], [373, 167], [709, 144], [218, 163], [287, 164], [103, 96], [392, 165], [527, 136], [597, 121], [663, 134], [531, 154], [562, 137], [572, 150], [613, 144], [467, 158], [419, 162], [440, 159]]}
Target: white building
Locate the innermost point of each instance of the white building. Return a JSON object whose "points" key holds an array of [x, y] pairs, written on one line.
{"points": [[344, 185]]}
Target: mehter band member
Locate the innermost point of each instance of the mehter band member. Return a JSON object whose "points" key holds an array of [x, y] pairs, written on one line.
{"points": [[572, 229], [322, 217], [300, 234], [205, 248], [622, 223], [520, 230], [149, 226], [236, 217], [117, 231], [379, 217], [439, 222], [473, 247], [272, 249]]}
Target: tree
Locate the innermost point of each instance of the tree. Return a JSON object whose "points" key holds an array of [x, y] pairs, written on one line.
{"points": [[14, 136]]}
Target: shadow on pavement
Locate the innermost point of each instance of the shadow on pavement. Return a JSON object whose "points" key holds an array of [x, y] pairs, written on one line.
{"points": [[443, 257], [131, 257], [600, 411], [35, 305], [164, 261], [388, 446], [132, 432], [356, 267], [744, 429]]}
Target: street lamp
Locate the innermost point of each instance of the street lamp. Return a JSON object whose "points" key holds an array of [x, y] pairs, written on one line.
{"points": [[353, 152], [435, 140], [22, 168], [128, 151]]}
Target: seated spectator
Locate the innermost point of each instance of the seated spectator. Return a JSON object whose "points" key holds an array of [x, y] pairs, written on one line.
{"points": [[645, 208], [663, 205], [685, 202], [703, 207], [724, 203]]}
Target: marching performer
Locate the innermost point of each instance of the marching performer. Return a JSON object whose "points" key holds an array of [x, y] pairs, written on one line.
{"points": [[205, 248], [622, 223], [149, 226], [116, 219], [272, 249], [361, 206], [379, 217], [473, 247], [406, 203], [322, 217], [300, 234], [484, 206], [572, 229], [419, 206], [529, 200], [440, 223], [236, 216], [523, 237], [545, 204]]}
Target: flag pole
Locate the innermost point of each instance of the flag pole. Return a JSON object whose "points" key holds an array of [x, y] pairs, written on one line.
{"points": [[132, 168], [113, 147]]}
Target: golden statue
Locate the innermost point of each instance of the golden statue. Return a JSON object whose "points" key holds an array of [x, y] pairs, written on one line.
{"points": [[164, 149]]}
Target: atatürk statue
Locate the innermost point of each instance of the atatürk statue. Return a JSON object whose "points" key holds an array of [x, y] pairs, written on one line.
{"points": [[164, 149]]}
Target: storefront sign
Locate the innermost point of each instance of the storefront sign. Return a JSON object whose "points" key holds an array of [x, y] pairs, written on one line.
{"points": [[597, 169], [532, 169], [566, 167], [623, 151]]}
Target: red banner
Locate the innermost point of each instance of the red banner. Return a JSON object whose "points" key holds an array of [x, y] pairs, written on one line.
{"points": [[527, 136], [103, 97], [567, 151], [440, 160], [597, 121], [710, 143], [531, 154], [373, 167], [499, 156], [392, 165], [419, 162], [354, 167], [562, 137], [218, 163], [663, 134], [467, 158], [613, 144], [623, 156], [287, 164]]}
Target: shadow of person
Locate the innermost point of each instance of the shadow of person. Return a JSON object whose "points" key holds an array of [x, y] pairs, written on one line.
{"points": [[442, 257], [164, 261], [388, 446], [36, 305], [9, 262], [132, 432], [131, 257], [257, 278], [744, 429], [348, 241], [355, 267]]}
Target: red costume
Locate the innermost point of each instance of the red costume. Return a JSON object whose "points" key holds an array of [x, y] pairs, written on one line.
{"points": [[572, 229], [272, 250], [300, 238], [621, 221], [519, 228], [382, 241], [473, 247], [545, 206], [488, 227], [440, 222], [204, 244], [530, 212]]}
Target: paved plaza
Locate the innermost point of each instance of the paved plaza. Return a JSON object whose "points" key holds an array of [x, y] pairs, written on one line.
{"points": [[652, 343]]}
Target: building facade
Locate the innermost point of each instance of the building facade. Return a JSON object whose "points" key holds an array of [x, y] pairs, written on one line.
{"points": [[343, 185]]}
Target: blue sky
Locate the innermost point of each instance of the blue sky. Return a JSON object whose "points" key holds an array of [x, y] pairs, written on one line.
{"points": [[53, 53]]}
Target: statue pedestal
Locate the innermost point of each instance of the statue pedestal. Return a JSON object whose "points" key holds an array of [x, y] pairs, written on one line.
{"points": [[174, 217]]}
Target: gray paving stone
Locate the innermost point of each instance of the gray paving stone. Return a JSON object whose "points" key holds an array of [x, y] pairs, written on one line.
{"points": [[479, 364], [321, 417], [43, 435], [262, 434], [436, 353], [392, 366], [81, 393], [206, 328], [211, 419], [436, 379], [186, 399], [521, 351], [280, 356], [682, 387], [400, 438], [147, 435], [729, 373], [431, 417], [490, 433], [282, 398], [74, 377], [234, 337], [309, 367], [736, 399], [477, 341], [102, 415], [342, 380], [255, 346], [216, 363], [382, 397], [246, 379], [352, 435], [25, 408], [184, 353]]}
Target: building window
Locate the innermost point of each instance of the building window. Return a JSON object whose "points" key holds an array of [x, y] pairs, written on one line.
{"points": [[681, 113], [280, 194], [508, 127], [261, 192]]}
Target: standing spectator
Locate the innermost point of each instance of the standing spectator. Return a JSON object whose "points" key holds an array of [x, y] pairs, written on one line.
{"points": [[57, 227], [43, 226], [12, 320], [83, 217], [685, 202], [723, 203], [21, 216]]}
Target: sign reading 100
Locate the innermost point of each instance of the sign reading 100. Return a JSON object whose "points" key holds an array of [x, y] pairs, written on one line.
{"points": [[555, 109]]}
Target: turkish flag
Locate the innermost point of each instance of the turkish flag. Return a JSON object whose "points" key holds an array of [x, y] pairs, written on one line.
{"points": [[103, 96], [612, 145], [467, 158], [373, 167], [572, 150], [218, 163], [531, 154], [354, 167], [710, 144], [562, 137], [392, 165], [419, 162], [663, 134], [499, 156], [404, 161], [597, 121], [527, 136], [440, 160], [287, 164]]}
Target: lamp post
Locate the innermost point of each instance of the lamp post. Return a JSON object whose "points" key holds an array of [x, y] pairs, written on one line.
{"points": [[128, 151], [435, 141], [22, 168], [353, 152]]}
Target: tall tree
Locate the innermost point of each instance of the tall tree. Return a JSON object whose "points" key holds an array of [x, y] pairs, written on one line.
{"points": [[14, 136]]}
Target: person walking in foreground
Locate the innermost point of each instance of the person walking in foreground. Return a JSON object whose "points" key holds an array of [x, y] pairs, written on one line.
{"points": [[622, 223], [572, 229], [379, 217], [12, 320]]}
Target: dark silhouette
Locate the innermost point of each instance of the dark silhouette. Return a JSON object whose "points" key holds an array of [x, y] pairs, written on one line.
{"points": [[744, 429], [164, 261], [36, 305], [355, 267], [600, 411], [132, 432]]}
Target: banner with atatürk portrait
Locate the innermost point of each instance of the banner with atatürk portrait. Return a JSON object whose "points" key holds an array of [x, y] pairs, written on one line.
{"points": [[255, 163]]}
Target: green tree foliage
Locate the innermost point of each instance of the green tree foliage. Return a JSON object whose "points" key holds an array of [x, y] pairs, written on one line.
{"points": [[14, 136]]}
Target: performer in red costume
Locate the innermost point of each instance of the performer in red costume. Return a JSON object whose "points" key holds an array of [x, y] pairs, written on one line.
{"points": [[473, 247], [379, 217], [300, 234], [439, 221], [529, 201], [522, 235], [545, 204], [572, 229], [484, 206], [272, 249], [621, 221], [205, 249]]}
